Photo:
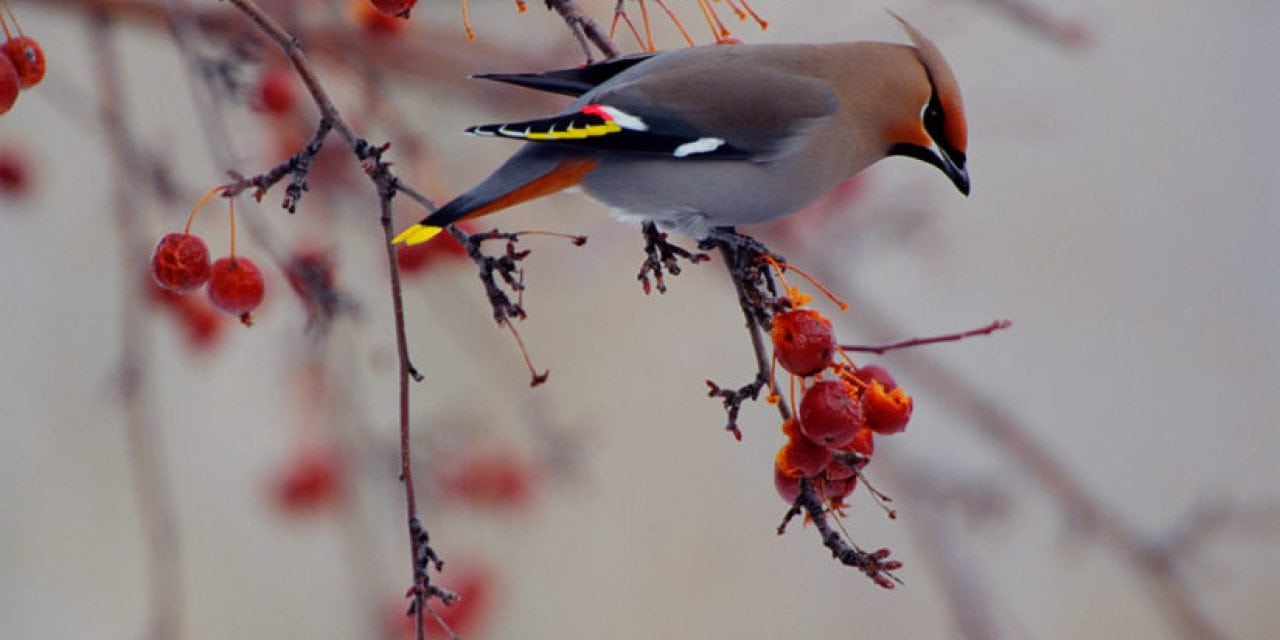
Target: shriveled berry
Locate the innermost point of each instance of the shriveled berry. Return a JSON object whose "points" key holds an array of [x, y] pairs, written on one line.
{"points": [[236, 286], [803, 341], [27, 58], [887, 412], [397, 8], [180, 263], [800, 457], [830, 414], [9, 85], [874, 372], [276, 92]]}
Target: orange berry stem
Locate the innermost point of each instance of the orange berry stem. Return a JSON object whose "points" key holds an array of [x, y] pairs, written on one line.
{"points": [[12, 18], [844, 306], [742, 15], [648, 27], [466, 21], [764, 24], [687, 38], [232, 215], [200, 203], [7, 35], [536, 378]]}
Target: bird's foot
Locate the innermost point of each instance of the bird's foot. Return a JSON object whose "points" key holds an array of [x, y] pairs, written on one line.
{"points": [[748, 261], [661, 256]]}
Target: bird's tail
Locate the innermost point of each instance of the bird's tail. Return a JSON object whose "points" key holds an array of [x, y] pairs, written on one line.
{"points": [[532, 173]]}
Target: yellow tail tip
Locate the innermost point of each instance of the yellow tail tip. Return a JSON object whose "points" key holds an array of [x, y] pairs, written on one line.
{"points": [[417, 234]]}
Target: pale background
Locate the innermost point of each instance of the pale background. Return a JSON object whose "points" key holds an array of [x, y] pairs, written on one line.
{"points": [[1123, 216]]}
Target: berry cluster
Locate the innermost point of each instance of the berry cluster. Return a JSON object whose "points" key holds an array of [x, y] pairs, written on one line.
{"points": [[842, 409], [21, 65], [180, 264]]}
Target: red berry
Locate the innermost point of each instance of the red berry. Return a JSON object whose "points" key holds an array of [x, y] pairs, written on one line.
{"points": [[396, 8], [834, 490], [800, 457], [373, 21], [27, 58], [864, 442], [276, 91], [830, 414], [499, 479], [9, 85], [420, 257], [874, 372], [311, 481], [803, 341], [15, 177], [474, 585], [180, 263], [201, 323], [888, 412], [236, 286], [788, 486]]}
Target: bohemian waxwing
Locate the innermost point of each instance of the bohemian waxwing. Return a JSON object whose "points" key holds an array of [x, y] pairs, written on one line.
{"points": [[720, 136]]}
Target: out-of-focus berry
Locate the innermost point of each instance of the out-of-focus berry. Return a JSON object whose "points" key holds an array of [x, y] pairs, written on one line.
{"points": [[276, 91], [15, 172], [498, 479], [311, 481], [422, 257], [374, 22]]}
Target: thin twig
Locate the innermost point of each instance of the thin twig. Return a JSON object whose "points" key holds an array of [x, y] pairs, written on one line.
{"points": [[150, 477], [584, 28], [881, 349]]}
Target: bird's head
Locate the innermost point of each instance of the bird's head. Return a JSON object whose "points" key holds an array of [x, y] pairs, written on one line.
{"points": [[932, 125]]}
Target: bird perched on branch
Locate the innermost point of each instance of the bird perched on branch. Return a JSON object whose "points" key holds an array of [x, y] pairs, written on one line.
{"points": [[713, 137]]}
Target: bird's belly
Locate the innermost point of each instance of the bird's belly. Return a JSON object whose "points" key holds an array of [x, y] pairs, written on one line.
{"points": [[692, 197]]}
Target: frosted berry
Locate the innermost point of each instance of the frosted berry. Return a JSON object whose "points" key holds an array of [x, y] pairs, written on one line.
{"points": [[887, 412], [800, 457], [27, 58], [830, 414], [180, 263], [276, 92], [236, 286], [397, 8], [9, 85], [803, 341]]}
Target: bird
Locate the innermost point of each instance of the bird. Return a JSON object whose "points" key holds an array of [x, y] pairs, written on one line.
{"points": [[707, 138]]}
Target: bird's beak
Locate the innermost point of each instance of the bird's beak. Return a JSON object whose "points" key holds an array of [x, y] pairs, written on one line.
{"points": [[952, 164]]}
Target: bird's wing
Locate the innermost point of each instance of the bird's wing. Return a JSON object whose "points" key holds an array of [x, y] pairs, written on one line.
{"points": [[570, 82], [738, 112]]}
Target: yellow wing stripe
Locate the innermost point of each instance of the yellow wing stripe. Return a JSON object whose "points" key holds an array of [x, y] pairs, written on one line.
{"points": [[417, 234], [575, 133]]}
